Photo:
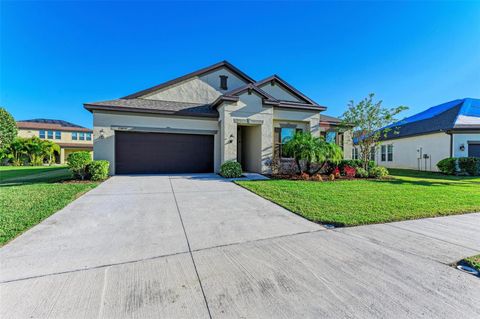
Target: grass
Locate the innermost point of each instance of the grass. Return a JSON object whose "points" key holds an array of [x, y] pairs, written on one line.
{"points": [[13, 172], [473, 261], [23, 205], [406, 195]]}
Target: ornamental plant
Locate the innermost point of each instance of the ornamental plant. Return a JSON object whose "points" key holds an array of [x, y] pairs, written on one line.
{"points": [[378, 172], [98, 170], [349, 171], [312, 151], [231, 169], [78, 163]]}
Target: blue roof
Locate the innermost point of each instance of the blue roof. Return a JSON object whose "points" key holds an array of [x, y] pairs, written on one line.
{"points": [[456, 114]]}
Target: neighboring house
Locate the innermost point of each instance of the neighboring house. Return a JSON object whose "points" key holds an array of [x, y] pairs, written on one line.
{"points": [[198, 121], [451, 129], [70, 137]]}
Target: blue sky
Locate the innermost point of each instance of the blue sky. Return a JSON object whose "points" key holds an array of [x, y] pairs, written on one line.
{"points": [[57, 55]]}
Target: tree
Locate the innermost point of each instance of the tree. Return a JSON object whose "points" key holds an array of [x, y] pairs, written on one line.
{"points": [[369, 122], [8, 128], [304, 147]]}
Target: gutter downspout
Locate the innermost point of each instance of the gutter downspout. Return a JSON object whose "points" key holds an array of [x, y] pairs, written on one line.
{"points": [[451, 142]]}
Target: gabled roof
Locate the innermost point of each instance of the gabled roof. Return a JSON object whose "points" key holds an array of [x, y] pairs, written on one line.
{"points": [[154, 106], [454, 115], [275, 78], [208, 69], [51, 124], [135, 102]]}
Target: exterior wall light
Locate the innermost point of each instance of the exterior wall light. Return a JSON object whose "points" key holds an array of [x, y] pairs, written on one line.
{"points": [[462, 147], [102, 133]]}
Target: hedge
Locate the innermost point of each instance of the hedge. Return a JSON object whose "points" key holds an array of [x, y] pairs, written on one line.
{"points": [[231, 169], [98, 170], [460, 166]]}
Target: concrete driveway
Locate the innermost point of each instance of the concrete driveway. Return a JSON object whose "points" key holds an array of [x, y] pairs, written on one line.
{"points": [[201, 247]]}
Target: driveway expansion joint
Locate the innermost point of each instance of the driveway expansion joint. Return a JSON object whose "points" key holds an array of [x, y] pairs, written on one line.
{"points": [[190, 251]]}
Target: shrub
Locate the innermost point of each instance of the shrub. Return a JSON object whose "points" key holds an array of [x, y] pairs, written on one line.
{"points": [[349, 171], [336, 172], [361, 172], [98, 170], [469, 165], [447, 166], [331, 177], [231, 169], [355, 163], [378, 172], [78, 163]]}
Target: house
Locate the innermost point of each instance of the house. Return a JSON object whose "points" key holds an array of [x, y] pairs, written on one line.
{"points": [[198, 121], [70, 137], [447, 130]]}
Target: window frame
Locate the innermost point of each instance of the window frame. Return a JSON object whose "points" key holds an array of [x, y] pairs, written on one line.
{"points": [[355, 153], [81, 136], [58, 135], [279, 144], [74, 136], [383, 152], [42, 134], [88, 136], [50, 135], [390, 153]]}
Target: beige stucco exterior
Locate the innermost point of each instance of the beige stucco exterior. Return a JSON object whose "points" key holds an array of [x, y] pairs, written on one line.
{"points": [[66, 138], [249, 111]]}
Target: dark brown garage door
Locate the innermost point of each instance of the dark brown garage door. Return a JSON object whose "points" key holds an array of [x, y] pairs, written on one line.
{"points": [[145, 153], [474, 149]]}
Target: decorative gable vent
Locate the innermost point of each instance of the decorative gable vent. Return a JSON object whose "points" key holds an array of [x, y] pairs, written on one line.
{"points": [[223, 82]]}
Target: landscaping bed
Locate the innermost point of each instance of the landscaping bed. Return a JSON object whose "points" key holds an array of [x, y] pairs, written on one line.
{"points": [[404, 195]]}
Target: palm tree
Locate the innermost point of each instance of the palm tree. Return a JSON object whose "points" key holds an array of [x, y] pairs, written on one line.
{"points": [[311, 150]]}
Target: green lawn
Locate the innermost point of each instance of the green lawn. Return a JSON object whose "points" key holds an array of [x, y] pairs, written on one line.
{"points": [[13, 172], [23, 205], [407, 195]]}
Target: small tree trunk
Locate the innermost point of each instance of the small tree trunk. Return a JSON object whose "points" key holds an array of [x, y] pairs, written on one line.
{"points": [[297, 161]]}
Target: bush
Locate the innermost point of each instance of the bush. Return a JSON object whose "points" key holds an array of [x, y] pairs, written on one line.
{"points": [[378, 172], [78, 163], [469, 165], [361, 172], [98, 170], [447, 166], [349, 171], [355, 163], [231, 169]]}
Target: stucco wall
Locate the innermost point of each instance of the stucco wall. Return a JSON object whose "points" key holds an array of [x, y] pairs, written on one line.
{"points": [[279, 92], [202, 89], [104, 148], [310, 118], [406, 151], [463, 138], [347, 145], [253, 148], [249, 107]]}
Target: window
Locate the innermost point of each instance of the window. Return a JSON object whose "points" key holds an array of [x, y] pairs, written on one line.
{"points": [[283, 135], [383, 149], [331, 137], [50, 135], [82, 136], [89, 136], [372, 153], [41, 134], [354, 153], [390, 153], [58, 135], [74, 136], [223, 82]]}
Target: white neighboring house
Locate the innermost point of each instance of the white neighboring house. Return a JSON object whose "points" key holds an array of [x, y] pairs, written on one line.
{"points": [[447, 130]]}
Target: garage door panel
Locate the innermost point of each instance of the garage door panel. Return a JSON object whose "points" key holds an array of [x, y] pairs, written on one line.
{"points": [[474, 149], [143, 153]]}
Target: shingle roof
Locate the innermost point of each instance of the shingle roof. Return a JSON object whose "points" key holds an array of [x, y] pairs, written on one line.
{"points": [[50, 124], [457, 114], [330, 119], [155, 106]]}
